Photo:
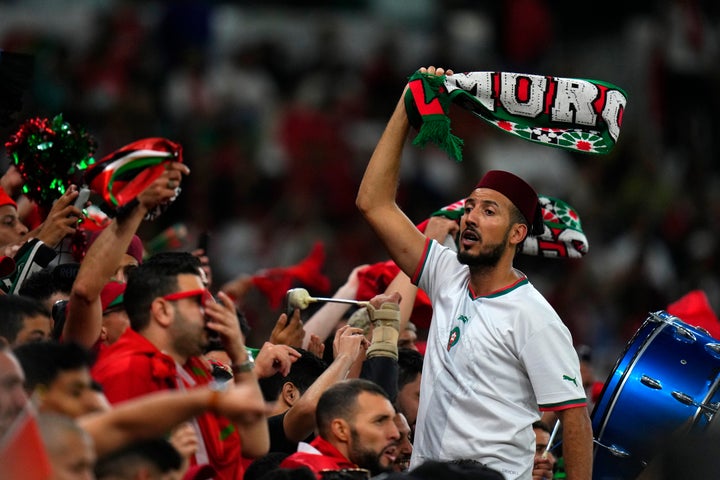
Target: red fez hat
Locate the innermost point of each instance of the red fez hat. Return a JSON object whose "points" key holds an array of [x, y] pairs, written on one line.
{"points": [[519, 192], [135, 249]]}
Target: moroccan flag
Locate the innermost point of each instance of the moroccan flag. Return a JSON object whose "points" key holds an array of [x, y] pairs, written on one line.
{"points": [[22, 452]]}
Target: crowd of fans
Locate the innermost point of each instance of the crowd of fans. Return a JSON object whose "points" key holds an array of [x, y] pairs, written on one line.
{"points": [[278, 111]]}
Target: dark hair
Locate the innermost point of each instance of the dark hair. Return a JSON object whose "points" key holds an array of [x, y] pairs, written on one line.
{"points": [[42, 362], [39, 285], [300, 473], [124, 463], [410, 364], [460, 469], [267, 463], [155, 277], [303, 372], [43, 283], [542, 426], [584, 353], [340, 401], [13, 311], [345, 474]]}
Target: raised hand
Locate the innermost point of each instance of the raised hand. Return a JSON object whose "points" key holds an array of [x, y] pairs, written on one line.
{"points": [[272, 359], [61, 221], [288, 331], [163, 189]]}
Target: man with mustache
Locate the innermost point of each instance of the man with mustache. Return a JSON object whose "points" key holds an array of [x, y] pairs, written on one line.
{"points": [[497, 353], [356, 429]]}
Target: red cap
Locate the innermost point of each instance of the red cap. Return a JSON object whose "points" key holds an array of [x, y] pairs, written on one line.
{"points": [[135, 249], [518, 191], [112, 295]]}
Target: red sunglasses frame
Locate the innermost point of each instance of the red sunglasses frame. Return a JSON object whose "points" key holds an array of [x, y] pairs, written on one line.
{"points": [[204, 294]]}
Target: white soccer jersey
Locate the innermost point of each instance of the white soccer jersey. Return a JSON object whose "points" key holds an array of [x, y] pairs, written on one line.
{"points": [[491, 363]]}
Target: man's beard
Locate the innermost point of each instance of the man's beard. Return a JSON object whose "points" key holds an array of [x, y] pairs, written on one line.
{"points": [[365, 458], [485, 259], [188, 340]]}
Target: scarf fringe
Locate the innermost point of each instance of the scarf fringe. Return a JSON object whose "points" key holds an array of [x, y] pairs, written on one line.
{"points": [[436, 129]]}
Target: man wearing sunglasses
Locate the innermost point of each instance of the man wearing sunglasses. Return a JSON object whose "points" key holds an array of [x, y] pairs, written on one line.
{"points": [[112, 254], [171, 316]]}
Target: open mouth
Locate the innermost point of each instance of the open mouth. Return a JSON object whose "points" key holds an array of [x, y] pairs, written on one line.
{"points": [[469, 237], [390, 453], [403, 463]]}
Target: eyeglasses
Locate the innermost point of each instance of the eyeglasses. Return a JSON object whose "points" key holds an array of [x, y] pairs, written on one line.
{"points": [[204, 295]]}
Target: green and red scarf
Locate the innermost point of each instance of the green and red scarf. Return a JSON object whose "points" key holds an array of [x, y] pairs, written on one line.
{"points": [[571, 113]]}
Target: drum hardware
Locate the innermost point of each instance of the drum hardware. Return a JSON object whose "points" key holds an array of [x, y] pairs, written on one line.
{"points": [[614, 449], [688, 400], [662, 316], [684, 335], [651, 382], [713, 349]]}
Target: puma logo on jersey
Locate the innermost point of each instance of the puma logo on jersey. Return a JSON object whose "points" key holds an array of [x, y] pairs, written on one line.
{"points": [[570, 379]]}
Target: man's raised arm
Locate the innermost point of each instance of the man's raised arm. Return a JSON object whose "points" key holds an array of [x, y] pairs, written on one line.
{"points": [[378, 190]]}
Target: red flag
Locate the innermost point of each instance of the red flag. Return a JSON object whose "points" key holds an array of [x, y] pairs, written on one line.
{"points": [[22, 452], [274, 282], [375, 278], [694, 309]]}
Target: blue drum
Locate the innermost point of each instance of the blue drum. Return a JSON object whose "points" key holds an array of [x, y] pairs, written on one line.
{"points": [[665, 383]]}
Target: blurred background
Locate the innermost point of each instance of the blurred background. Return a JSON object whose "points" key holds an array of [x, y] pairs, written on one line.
{"points": [[279, 104]]}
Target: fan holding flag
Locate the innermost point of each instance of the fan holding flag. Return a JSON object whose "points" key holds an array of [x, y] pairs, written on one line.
{"points": [[121, 175]]}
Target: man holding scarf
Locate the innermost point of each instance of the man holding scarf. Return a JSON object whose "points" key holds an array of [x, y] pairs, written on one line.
{"points": [[497, 352]]}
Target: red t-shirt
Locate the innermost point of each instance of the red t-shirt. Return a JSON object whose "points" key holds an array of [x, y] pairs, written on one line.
{"points": [[329, 458], [133, 366]]}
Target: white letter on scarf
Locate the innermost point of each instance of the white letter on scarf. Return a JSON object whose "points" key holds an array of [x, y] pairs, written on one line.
{"points": [[573, 103], [476, 84], [533, 106], [611, 113]]}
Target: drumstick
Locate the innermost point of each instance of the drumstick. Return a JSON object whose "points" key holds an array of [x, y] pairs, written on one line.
{"points": [[552, 437], [301, 299]]}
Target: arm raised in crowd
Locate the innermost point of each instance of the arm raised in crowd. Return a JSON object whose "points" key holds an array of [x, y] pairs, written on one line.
{"points": [[438, 228], [299, 421], [84, 320], [323, 322], [222, 318], [376, 198]]}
